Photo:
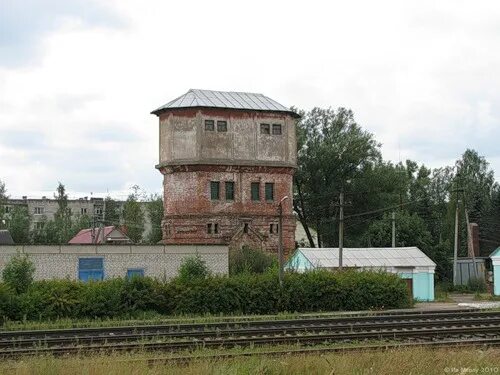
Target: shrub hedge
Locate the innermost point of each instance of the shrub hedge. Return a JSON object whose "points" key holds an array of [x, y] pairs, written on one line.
{"points": [[245, 293]]}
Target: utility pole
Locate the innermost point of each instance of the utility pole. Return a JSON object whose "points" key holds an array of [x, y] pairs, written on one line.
{"points": [[280, 248], [92, 231], [457, 191], [341, 230], [101, 228], [455, 249], [470, 244], [393, 229]]}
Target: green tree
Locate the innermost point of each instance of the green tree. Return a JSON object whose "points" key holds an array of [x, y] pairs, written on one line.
{"points": [[332, 149], [45, 233], [18, 273], [155, 212], [62, 217], [133, 216], [80, 222], [193, 268], [3, 199], [19, 225], [250, 260], [411, 230], [111, 212], [476, 180]]}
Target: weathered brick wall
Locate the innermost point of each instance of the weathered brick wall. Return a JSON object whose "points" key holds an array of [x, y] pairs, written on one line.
{"points": [[189, 207], [183, 139], [191, 157], [55, 262]]}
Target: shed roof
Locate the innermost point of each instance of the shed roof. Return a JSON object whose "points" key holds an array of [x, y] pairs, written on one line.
{"points": [[368, 257], [225, 99], [495, 254], [6, 238]]}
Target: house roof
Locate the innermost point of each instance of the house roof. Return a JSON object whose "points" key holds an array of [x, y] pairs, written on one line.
{"points": [[368, 257], [225, 99], [496, 253], [6, 238], [85, 235]]}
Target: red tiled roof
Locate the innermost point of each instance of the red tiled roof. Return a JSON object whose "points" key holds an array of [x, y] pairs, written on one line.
{"points": [[85, 236]]}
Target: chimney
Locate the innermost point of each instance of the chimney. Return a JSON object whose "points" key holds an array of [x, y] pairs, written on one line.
{"points": [[474, 230], [25, 197]]}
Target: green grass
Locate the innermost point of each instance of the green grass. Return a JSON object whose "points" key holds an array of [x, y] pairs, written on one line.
{"points": [[442, 296], [486, 297], [396, 361], [149, 318]]}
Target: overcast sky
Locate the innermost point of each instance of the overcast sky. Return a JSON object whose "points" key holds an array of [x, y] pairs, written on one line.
{"points": [[78, 79]]}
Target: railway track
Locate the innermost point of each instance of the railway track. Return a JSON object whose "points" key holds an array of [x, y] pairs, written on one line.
{"points": [[193, 327], [428, 327]]}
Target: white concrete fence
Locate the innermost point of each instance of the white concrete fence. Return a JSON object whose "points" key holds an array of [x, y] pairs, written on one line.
{"points": [[160, 261]]}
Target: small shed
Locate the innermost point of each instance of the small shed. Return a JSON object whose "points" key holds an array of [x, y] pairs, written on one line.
{"points": [[410, 263], [6, 238], [495, 262]]}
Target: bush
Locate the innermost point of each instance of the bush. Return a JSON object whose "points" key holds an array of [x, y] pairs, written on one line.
{"points": [[241, 294], [101, 299], [474, 285], [250, 261], [8, 303], [477, 285], [193, 268], [18, 273]]}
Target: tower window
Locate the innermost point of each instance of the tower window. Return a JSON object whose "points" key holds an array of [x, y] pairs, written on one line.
{"points": [[212, 228], [255, 191], [276, 129], [83, 211], [214, 190], [264, 129], [209, 125], [229, 190], [39, 210], [269, 191], [245, 228], [273, 228], [222, 126]]}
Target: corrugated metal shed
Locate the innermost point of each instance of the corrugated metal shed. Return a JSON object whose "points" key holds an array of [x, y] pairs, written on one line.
{"points": [[225, 99], [368, 257]]}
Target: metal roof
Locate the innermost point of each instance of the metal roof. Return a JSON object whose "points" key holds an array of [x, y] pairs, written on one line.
{"points": [[225, 99], [495, 254], [85, 236], [368, 257]]}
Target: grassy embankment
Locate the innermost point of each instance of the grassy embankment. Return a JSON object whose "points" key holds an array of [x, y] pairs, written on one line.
{"points": [[152, 318], [401, 361]]}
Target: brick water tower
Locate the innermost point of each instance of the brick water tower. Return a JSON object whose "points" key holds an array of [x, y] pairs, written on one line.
{"points": [[228, 160]]}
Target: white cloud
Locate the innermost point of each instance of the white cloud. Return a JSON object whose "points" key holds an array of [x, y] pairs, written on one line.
{"points": [[424, 77]]}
